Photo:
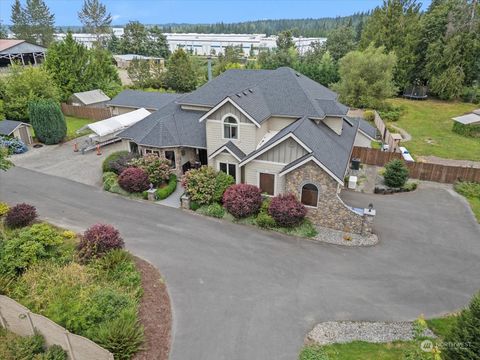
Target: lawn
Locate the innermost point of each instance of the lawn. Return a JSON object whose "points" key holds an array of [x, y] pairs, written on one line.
{"points": [[361, 350], [430, 124], [74, 124], [471, 191]]}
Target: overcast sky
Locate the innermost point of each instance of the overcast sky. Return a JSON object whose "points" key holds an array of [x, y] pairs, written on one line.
{"points": [[203, 11]]}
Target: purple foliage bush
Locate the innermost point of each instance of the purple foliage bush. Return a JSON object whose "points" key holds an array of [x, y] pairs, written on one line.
{"points": [[20, 215], [97, 241], [286, 210], [133, 179], [242, 200]]}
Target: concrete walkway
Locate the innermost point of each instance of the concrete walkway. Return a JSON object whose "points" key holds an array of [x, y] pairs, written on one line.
{"points": [[174, 199], [239, 293]]}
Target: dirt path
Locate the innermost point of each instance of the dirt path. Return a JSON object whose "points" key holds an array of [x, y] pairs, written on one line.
{"points": [[406, 136]]}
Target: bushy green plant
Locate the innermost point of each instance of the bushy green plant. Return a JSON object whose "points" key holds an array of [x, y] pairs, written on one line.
{"points": [[200, 184], [369, 115], [222, 182], [54, 352], [4, 208], [113, 157], [109, 180], [396, 174], [123, 335], [26, 347], [158, 169], [471, 130], [48, 121], [28, 247], [410, 186], [213, 210], [194, 205], [166, 191], [264, 220], [468, 189], [465, 334]]}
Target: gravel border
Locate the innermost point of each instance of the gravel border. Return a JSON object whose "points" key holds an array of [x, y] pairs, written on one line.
{"points": [[337, 237], [370, 331]]}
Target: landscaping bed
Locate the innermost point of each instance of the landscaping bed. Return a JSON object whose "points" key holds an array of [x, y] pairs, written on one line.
{"points": [[85, 283]]}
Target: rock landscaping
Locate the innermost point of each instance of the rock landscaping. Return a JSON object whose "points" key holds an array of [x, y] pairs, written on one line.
{"points": [[337, 237], [376, 332]]}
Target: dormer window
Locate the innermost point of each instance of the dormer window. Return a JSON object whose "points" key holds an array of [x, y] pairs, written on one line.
{"points": [[230, 128]]}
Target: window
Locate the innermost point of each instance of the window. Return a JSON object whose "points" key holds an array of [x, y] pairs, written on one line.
{"points": [[267, 183], [170, 155], [230, 128], [309, 195], [230, 169], [152, 152]]}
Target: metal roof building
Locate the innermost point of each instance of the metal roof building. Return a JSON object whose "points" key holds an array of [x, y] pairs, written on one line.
{"points": [[20, 51]]}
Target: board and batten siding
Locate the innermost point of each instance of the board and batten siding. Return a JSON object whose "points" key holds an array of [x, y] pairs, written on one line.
{"points": [[226, 109], [253, 169], [285, 152]]}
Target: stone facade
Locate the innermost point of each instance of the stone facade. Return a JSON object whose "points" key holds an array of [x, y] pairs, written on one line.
{"points": [[330, 212], [182, 155]]}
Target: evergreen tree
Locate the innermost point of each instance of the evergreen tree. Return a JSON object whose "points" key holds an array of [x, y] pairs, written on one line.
{"points": [[465, 334], [285, 40], [135, 39], [95, 18], [157, 43], [102, 72], [366, 77], [47, 120], [340, 42], [181, 73], [34, 23]]}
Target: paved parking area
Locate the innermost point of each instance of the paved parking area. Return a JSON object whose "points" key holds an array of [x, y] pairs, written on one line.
{"points": [[61, 160]]}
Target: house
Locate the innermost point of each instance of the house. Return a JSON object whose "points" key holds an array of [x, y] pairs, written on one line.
{"points": [[92, 98], [129, 100], [276, 129], [17, 129], [124, 61], [20, 51]]}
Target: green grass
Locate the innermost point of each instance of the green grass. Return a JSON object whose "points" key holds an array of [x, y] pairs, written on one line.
{"points": [[430, 124], [471, 191], [74, 124], [441, 326]]}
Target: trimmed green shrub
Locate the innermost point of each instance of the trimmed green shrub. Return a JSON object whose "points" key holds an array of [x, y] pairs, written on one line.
{"points": [[410, 186], [194, 205], [214, 210], [369, 115], [465, 333], [264, 220], [109, 180], [287, 210], [113, 157], [28, 247], [200, 184], [222, 182], [158, 169], [20, 215], [97, 241], [166, 191], [242, 200], [396, 174], [47, 121], [472, 130], [122, 336], [133, 180]]}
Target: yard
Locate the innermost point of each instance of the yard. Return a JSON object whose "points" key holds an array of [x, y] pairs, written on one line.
{"points": [[74, 124], [429, 122]]}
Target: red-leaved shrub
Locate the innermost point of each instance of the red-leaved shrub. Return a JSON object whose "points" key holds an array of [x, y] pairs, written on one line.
{"points": [[242, 200], [133, 179], [287, 210], [97, 241], [20, 215]]}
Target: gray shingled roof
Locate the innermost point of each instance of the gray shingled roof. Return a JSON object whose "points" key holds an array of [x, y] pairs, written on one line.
{"points": [[262, 93], [91, 97], [150, 100], [330, 149], [167, 127], [366, 127], [8, 126], [234, 149]]}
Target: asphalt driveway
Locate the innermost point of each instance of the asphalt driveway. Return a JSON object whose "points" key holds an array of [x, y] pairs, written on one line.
{"points": [[239, 293]]}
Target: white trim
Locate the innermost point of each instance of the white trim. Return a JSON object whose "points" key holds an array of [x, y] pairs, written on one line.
{"points": [[312, 158], [223, 102], [237, 168], [275, 181], [279, 141], [270, 162], [237, 126], [220, 150]]}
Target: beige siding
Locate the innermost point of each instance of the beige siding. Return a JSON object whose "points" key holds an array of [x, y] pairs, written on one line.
{"points": [[334, 123], [226, 109], [285, 152], [254, 168], [125, 145], [246, 136], [362, 141], [225, 157], [274, 123]]}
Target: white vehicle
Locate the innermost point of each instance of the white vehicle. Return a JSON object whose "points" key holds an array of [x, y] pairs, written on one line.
{"points": [[406, 155]]}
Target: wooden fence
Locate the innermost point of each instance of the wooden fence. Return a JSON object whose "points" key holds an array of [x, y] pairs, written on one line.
{"points": [[86, 112], [21, 321], [385, 133], [419, 170]]}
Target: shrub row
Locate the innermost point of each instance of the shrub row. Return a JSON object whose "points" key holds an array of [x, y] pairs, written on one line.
{"points": [[166, 191]]}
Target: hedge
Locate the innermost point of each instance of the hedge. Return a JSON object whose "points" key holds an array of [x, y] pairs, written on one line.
{"points": [[166, 191], [112, 157], [472, 130]]}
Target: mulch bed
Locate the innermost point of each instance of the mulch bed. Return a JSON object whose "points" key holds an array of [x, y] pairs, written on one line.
{"points": [[155, 314]]}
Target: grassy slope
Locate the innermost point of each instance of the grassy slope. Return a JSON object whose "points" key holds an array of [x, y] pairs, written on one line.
{"points": [[430, 121], [360, 350]]}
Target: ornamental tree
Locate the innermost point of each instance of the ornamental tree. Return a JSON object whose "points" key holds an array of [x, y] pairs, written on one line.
{"points": [[48, 121]]}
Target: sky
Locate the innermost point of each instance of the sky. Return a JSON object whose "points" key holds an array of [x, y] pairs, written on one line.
{"points": [[202, 11]]}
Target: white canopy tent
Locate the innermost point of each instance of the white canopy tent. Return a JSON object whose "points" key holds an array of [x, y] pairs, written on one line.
{"points": [[117, 123]]}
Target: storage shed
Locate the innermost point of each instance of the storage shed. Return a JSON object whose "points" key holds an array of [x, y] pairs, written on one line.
{"points": [[92, 98], [17, 129]]}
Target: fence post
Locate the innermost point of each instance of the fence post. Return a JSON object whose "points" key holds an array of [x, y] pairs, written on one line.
{"points": [[69, 345]]}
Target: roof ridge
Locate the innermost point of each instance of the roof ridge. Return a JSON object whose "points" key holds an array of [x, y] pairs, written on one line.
{"points": [[310, 99]]}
